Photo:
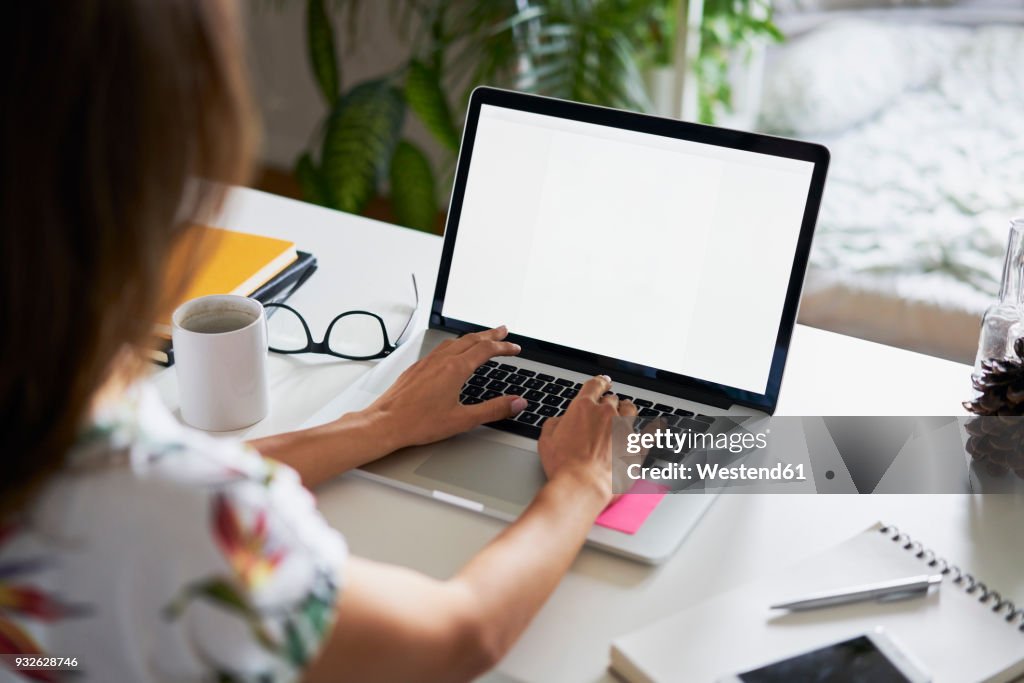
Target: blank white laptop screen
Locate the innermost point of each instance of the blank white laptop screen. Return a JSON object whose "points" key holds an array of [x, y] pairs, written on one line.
{"points": [[652, 250]]}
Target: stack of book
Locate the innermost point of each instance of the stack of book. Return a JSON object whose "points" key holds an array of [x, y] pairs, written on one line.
{"points": [[264, 268]]}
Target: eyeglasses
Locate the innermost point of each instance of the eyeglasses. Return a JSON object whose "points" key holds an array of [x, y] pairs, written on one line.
{"points": [[354, 335]]}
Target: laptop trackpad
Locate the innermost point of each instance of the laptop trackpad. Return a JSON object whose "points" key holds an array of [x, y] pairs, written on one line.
{"points": [[493, 469]]}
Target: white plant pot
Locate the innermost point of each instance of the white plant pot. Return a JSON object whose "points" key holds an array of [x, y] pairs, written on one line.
{"points": [[661, 85]]}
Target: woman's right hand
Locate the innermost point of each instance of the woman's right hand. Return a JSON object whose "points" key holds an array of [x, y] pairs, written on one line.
{"points": [[578, 444]]}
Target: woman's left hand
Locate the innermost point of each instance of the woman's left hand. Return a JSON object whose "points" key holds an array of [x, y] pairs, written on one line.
{"points": [[422, 406]]}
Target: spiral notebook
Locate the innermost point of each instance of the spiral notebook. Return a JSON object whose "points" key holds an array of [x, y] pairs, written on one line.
{"points": [[964, 631]]}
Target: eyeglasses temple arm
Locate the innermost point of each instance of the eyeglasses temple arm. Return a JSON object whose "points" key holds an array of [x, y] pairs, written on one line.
{"points": [[416, 306]]}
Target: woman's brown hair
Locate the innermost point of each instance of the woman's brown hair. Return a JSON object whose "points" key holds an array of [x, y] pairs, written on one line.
{"points": [[117, 115]]}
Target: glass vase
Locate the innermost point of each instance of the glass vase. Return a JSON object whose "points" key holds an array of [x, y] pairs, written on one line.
{"points": [[1001, 324]]}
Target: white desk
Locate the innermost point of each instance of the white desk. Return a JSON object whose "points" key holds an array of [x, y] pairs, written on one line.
{"points": [[365, 264]]}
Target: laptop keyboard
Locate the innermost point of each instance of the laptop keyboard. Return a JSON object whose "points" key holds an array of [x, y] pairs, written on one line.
{"points": [[548, 396]]}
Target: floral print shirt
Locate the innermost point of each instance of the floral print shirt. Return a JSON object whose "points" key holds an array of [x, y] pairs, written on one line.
{"points": [[165, 554]]}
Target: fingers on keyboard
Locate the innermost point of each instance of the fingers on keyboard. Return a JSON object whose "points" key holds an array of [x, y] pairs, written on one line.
{"points": [[549, 396]]}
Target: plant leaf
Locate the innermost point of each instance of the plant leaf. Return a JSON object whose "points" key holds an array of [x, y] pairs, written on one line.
{"points": [[322, 57], [588, 51], [317, 612], [311, 181], [359, 140], [426, 98], [294, 647], [413, 192], [222, 592]]}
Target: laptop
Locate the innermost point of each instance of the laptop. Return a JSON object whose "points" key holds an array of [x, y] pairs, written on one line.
{"points": [[665, 254]]}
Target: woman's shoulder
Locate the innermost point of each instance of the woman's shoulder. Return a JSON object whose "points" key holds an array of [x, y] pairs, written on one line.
{"points": [[139, 441], [144, 447], [139, 433]]}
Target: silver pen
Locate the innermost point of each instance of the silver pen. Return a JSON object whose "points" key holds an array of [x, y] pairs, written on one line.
{"points": [[885, 591]]}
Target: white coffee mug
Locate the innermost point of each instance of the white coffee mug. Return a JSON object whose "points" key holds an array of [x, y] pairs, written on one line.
{"points": [[220, 352]]}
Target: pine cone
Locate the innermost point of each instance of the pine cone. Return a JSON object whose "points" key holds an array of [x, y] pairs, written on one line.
{"points": [[997, 437]]}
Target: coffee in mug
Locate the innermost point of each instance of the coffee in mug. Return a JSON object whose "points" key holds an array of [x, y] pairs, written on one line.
{"points": [[218, 322]]}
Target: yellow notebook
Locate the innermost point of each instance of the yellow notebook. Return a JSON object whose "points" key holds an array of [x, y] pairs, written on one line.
{"points": [[231, 263]]}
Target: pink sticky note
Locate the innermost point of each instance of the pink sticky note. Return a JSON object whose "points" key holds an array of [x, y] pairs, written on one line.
{"points": [[629, 512]]}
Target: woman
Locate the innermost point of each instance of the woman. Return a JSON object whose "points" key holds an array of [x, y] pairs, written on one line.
{"points": [[151, 552]]}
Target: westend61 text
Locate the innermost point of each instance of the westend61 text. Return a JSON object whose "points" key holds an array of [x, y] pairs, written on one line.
{"points": [[716, 472]]}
